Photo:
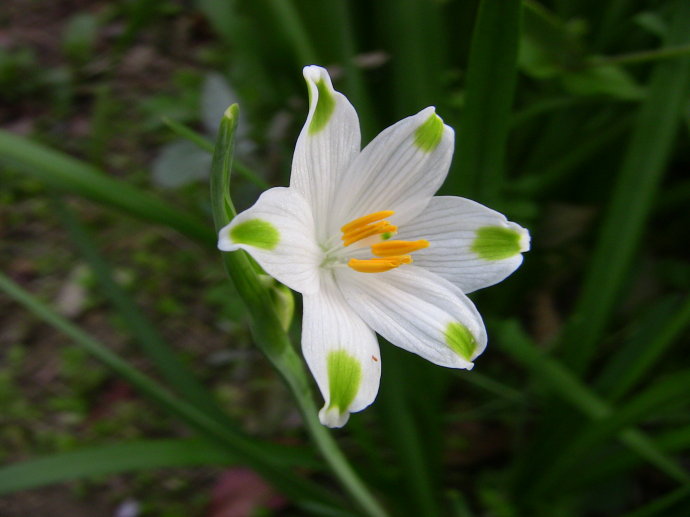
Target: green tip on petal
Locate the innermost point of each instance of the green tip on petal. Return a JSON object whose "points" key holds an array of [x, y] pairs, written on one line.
{"points": [[429, 134], [460, 340], [325, 105], [344, 379], [497, 242], [257, 233]]}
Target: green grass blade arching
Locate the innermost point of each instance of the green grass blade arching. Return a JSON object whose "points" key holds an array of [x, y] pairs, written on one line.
{"points": [[128, 457], [266, 328], [670, 442], [111, 459], [412, 451], [658, 331], [661, 505], [144, 333], [71, 175], [633, 195], [490, 87], [248, 451], [575, 393], [667, 392]]}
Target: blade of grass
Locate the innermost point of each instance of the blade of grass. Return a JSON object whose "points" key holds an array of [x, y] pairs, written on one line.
{"points": [[657, 332], [644, 56], [673, 441], [405, 434], [71, 175], [291, 23], [661, 505], [633, 195], [571, 390], [413, 32], [146, 335], [266, 327], [248, 451], [131, 456], [570, 163], [664, 393], [111, 459], [491, 78]]}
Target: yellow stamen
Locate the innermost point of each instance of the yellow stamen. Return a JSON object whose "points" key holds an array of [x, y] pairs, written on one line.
{"points": [[378, 265], [367, 231], [366, 220], [392, 248]]}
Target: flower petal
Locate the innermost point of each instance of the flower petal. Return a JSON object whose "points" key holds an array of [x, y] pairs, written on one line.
{"points": [[329, 141], [342, 354], [278, 232], [469, 244], [399, 170], [418, 311]]}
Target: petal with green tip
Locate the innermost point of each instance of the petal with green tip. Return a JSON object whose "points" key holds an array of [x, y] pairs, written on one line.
{"points": [[278, 232], [399, 170], [342, 353], [451, 225], [411, 308], [329, 141]]}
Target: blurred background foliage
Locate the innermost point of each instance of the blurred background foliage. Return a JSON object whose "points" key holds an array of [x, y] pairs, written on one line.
{"points": [[572, 117]]}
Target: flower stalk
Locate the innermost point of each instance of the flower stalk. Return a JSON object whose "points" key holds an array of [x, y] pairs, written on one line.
{"points": [[266, 326]]}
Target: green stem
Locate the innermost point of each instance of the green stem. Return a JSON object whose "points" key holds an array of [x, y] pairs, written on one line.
{"points": [[266, 327], [644, 56], [249, 452]]}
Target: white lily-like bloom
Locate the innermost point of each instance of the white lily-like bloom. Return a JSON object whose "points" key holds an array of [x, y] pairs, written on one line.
{"points": [[360, 234]]}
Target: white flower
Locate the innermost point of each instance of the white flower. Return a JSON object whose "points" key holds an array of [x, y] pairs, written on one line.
{"points": [[360, 234]]}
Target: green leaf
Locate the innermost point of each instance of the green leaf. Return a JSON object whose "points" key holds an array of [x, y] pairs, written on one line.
{"points": [[636, 358], [643, 167], [248, 451], [68, 174], [145, 334], [611, 80], [132, 456], [491, 78], [564, 384]]}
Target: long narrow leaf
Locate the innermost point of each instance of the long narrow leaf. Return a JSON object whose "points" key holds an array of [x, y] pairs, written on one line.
{"points": [[248, 451], [667, 392], [662, 327], [571, 390], [146, 335], [491, 77], [74, 176], [636, 186], [131, 456]]}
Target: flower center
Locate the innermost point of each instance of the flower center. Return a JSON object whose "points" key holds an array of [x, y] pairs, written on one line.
{"points": [[389, 253]]}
